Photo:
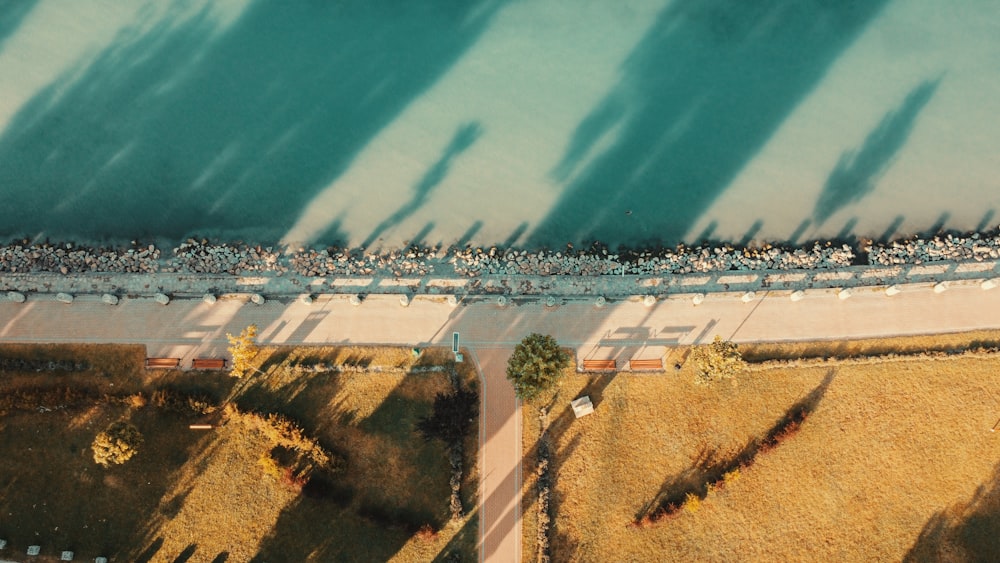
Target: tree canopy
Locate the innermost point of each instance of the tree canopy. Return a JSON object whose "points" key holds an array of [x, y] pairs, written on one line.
{"points": [[117, 443], [719, 360], [536, 365], [243, 349]]}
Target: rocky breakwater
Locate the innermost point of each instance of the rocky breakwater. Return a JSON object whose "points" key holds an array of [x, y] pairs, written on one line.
{"points": [[413, 261], [682, 260], [68, 258], [975, 247], [201, 257]]}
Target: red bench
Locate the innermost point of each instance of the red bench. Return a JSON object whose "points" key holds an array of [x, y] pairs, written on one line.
{"points": [[163, 363], [656, 364], [599, 365], [208, 363]]}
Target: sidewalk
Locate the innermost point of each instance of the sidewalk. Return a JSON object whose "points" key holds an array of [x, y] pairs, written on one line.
{"points": [[621, 330]]}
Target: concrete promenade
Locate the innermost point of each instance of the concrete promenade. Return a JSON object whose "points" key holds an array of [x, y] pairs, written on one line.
{"points": [[622, 329]]}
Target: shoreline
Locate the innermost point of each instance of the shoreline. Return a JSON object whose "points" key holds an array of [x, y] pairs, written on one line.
{"points": [[198, 267]]}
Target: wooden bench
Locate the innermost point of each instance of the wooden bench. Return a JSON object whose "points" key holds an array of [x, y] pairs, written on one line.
{"points": [[208, 363], [656, 364], [599, 365], [163, 363]]}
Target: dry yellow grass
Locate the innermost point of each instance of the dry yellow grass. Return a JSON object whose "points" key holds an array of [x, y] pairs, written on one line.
{"points": [[204, 494], [897, 456]]}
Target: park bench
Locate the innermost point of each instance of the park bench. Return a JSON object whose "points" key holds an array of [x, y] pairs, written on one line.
{"points": [[656, 364], [163, 363], [208, 363], [597, 365]]}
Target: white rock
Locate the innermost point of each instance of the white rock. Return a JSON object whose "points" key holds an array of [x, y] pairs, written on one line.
{"points": [[698, 299], [452, 300], [109, 299], [209, 298], [940, 287], [844, 293], [748, 297], [306, 299], [502, 301], [257, 299], [16, 297], [990, 283], [404, 300], [797, 295], [649, 300], [355, 300], [893, 290], [64, 298], [600, 302], [161, 299]]}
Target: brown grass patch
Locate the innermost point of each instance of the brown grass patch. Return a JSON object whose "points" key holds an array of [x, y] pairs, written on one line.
{"points": [[897, 455], [204, 493]]}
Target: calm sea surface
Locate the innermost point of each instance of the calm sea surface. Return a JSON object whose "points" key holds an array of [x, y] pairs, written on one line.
{"points": [[485, 122]]}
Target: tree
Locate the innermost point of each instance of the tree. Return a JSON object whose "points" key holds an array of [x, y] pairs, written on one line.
{"points": [[536, 365], [116, 444], [719, 360], [243, 349], [452, 417]]}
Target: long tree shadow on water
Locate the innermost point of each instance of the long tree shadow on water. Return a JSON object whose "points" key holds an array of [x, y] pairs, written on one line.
{"points": [[183, 126], [698, 97], [859, 170]]}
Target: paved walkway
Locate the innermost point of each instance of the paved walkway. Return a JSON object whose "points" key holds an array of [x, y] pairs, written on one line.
{"points": [[621, 330]]}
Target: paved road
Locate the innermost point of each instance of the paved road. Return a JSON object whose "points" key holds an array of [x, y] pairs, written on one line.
{"points": [[620, 330]]}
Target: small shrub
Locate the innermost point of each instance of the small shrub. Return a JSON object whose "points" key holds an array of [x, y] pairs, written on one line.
{"points": [[719, 360], [426, 533], [692, 503], [731, 476], [116, 444], [243, 348]]}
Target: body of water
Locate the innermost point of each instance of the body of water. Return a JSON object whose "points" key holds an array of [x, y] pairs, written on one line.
{"points": [[498, 122]]}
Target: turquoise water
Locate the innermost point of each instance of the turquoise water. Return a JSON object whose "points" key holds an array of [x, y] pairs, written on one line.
{"points": [[543, 123]]}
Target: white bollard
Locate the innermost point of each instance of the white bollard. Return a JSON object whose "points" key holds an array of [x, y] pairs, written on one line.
{"points": [[209, 298], [452, 301], [698, 299], [797, 295], [844, 293], [893, 290], [161, 299], [15, 296], [649, 300], [306, 299], [109, 299], [64, 298], [990, 284], [551, 301], [355, 300], [600, 302], [502, 301], [404, 300], [748, 297], [940, 287], [257, 299]]}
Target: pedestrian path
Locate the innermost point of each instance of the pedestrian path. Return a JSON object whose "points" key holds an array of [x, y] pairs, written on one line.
{"points": [[624, 329]]}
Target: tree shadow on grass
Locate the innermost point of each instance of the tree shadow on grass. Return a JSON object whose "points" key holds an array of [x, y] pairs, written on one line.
{"points": [[182, 125], [859, 170], [698, 97], [708, 470], [965, 531]]}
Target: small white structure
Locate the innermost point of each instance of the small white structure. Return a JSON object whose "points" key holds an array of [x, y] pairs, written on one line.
{"points": [[698, 299], [844, 293], [161, 298], [64, 298], [34, 549], [355, 300], [893, 290], [109, 299], [15, 296], [404, 300], [940, 287], [649, 300], [600, 302], [100, 560], [502, 301], [748, 297], [797, 295], [66, 556], [209, 298], [551, 301], [452, 301], [990, 284], [306, 299], [582, 406], [257, 299]]}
